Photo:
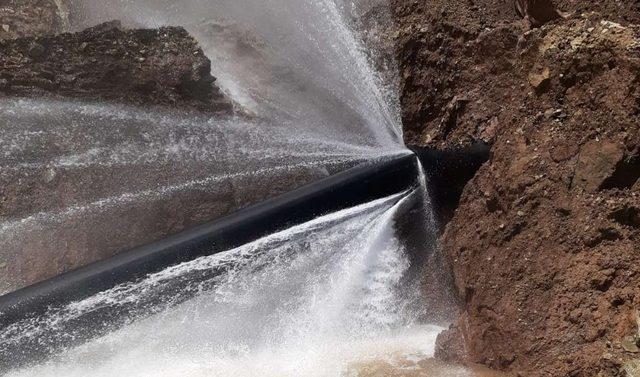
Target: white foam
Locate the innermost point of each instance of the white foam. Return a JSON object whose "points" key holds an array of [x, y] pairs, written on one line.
{"points": [[307, 301]]}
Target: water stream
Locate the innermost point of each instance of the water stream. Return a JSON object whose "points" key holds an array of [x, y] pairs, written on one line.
{"points": [[295, 59], [325, 298], [308, 301], [82, 181]]}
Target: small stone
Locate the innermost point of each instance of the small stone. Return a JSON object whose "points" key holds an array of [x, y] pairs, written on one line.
{"points": [[596, 164], [560, 114], [3, 264], [539, 80], [611, 25], [630, 344], [549, 113], [5, 28], [576, 42], [520, 213], [49, 175], [83, 46], [632, 368]]}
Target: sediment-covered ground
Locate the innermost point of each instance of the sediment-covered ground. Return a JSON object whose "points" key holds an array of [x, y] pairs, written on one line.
{"points": [[545, 244]]}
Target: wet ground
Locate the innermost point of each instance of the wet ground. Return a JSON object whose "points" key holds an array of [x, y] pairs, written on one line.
{"points": [[402, 366]]}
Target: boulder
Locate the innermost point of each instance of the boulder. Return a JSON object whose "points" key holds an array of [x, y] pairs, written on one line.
{"points": [[145, 66], [596, 164]]}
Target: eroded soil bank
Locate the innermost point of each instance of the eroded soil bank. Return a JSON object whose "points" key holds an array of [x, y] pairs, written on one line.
{"points": [[545, 244]]}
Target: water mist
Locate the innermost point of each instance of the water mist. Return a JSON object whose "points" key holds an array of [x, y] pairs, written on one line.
{"points": [[319, 299]]}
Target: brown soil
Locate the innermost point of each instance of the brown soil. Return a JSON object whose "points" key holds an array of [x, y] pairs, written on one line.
{"points": [[544, 247], [160, 67]]}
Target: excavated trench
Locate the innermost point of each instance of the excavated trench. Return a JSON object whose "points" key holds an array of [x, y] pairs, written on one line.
{"points": [[345, 269], [40, 303]]}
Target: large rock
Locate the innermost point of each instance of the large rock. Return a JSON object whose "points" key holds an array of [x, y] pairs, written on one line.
{"points": [[156, 66], [597, 163]]}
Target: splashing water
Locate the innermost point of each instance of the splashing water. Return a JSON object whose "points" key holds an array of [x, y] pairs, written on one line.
{"points": [[99, 177], [319, 299], [296, 59], [310, 300], [86, 180]]}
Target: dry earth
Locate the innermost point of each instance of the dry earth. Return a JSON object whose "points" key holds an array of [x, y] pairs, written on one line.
{"points": [[545, 244]]}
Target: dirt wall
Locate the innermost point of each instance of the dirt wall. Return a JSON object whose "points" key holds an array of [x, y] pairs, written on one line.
{"points": [[544, 246]]}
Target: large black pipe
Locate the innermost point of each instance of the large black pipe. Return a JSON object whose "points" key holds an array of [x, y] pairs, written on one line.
{"points": [[352, 187], [448, 172]]}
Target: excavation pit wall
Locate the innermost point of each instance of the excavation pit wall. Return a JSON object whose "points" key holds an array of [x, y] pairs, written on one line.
{"points": [[542, 248]]}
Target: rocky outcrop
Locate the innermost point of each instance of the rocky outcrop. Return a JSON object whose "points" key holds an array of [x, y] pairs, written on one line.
{"points": [[157, 66], [544, 244]]}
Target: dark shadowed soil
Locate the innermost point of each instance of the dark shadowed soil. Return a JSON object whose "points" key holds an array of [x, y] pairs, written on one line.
{"points": [[545, 244]]}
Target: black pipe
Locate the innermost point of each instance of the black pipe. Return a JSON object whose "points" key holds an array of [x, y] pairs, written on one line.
{"points": [[448, 172], [347, 189]]}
